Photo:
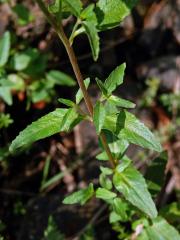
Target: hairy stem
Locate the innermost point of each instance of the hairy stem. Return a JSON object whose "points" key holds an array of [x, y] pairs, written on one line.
{"points": [[73, 60]]}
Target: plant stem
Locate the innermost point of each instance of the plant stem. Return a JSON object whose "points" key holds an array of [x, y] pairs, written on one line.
{"points": [[73, 60]]}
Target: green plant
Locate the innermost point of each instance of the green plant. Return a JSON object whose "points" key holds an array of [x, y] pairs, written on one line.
{"points": [[52, 232], [5, 120], [122, 186], [23, 72]]}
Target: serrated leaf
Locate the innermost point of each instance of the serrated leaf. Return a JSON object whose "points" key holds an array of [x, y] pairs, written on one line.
{"points": [[132, 185], [75, 6], [60, 78], [79, 94], [126, 126], [93, 37], [120, 102], [5, 43], [115, 78], [42, 128], [111, 12], [99, 116], [81, 196], [160, 230], [105, 194]]}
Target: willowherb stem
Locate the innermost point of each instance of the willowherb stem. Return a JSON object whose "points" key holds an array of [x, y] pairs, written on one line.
{"points": [[73, 60]]}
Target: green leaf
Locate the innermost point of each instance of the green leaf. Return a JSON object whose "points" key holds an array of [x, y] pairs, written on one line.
{"points": [[105, 194], [93, 37], [60, 78], [70, 119], [7, 85], [52, 232], [114, 217], [42, 128], [81, 196], [79, 94], [15, 82], [37, 59], [99, 116], [89, 14], [155, 174], [110, 108], [66, 102], [120, 207], [101, 87], [126, 126], [102, 156], [75, 6], [55, 7], [125, 162], [5, 43], [111, 12], [26, 59], [120, 102], [133, 187], [5, 94], [5, 120], [171, 213], [23, 14], [106, 171], [20, 61], [105, 182], [117, 147], [115, 79], [160, 230]]}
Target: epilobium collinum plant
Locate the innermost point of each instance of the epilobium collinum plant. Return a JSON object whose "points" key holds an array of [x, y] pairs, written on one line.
{"points": [[120, 184]]}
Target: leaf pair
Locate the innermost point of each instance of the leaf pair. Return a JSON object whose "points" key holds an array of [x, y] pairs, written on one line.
{"points": [[111, 83], [123, 124]]}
